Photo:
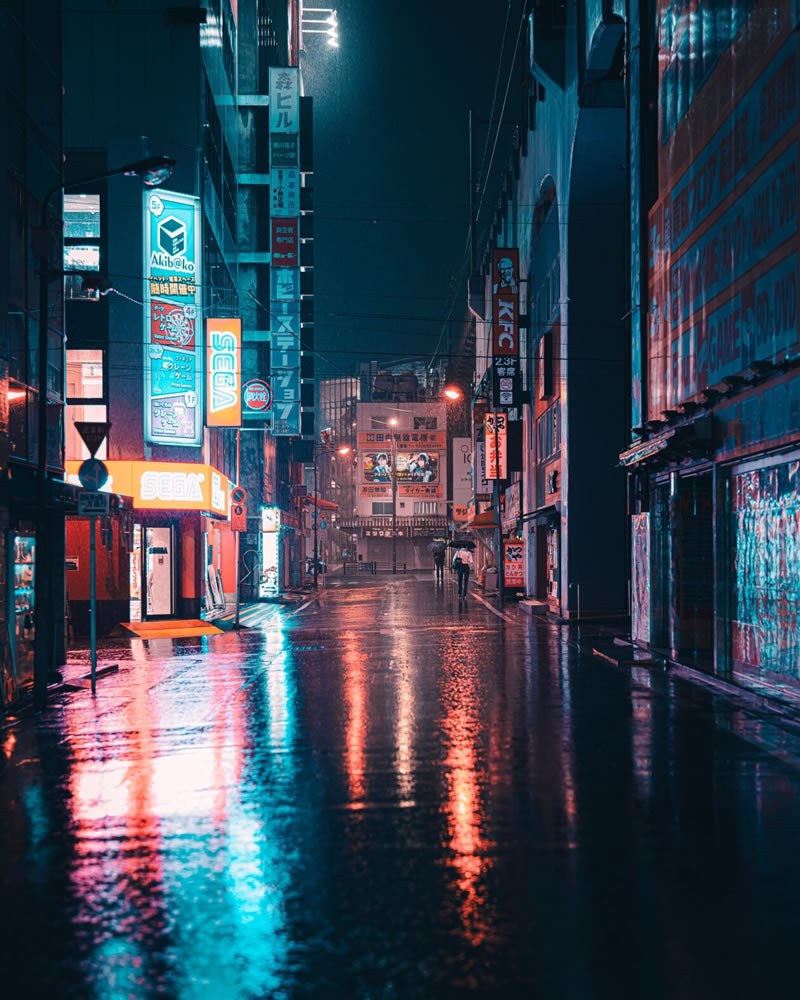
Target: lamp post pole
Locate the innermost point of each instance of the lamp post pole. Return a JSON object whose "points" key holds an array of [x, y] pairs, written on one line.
{"points": [[394, 504], [316, 524], [498, 525]]}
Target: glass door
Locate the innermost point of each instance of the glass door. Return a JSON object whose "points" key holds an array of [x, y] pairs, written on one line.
{"points": [[158, 591]]}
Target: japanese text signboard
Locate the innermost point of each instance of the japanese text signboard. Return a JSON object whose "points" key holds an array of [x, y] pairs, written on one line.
{"points": [[284, 99], [505, 327], [514, 562], [496, 445], [284, 126], [173, 389], [257, 400], [224, 372], [285, 242]]}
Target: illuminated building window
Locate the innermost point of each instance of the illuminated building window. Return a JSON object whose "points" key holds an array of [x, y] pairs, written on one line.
{"points": [[81, 242], [85, 399]]}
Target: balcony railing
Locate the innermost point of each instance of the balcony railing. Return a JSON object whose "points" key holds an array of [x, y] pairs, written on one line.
{"points": [[385, 521]]}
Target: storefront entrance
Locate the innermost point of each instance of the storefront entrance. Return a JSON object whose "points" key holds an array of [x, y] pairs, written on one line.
{"points": [[152, 572]]}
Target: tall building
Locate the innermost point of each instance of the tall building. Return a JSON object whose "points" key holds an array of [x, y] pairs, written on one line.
{"points": [[337, 401], [714, 448], [560, 227], [33, 499], [402, 474], [189, 342]]}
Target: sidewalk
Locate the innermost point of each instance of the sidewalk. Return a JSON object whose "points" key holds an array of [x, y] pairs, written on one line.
{"points": [[605, 640]]}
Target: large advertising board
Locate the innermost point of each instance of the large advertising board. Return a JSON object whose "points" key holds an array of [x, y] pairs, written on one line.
{"points": [[409, 466], [173, 349], [723, 235], [403, 440], [224, 372]]}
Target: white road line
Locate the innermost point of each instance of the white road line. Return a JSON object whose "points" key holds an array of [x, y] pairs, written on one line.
{"points": [[494, 611], [302, 606]]}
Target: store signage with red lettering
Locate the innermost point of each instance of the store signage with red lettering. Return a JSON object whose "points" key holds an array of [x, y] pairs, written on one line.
{"points": [[505, 326], [496, 445], [514, 562], [256, 399], [285, 242]]}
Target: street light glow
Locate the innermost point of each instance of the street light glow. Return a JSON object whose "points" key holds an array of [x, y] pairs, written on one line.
{"points": [[452, 392], [344, 450], [153, 171], [393, 421]]}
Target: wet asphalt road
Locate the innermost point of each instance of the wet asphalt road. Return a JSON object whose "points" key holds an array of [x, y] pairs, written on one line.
{"points": [[394, 795]]}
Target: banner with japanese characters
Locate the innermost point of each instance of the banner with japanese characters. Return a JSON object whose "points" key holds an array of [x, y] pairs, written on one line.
{"points": [[505, 327], [285, 182], [173, 331], [496, 445]]}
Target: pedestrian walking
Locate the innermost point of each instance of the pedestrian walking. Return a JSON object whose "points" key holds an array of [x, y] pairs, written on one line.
{"points": [[438, 564], [463, 563]]}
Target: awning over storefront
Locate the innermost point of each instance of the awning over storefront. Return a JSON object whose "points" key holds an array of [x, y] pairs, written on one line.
{"points": [[320, 503], [165, 485], [482, 521]]}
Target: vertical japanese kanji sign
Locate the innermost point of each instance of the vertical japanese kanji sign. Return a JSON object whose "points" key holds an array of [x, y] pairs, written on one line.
{"points": [[284, 99], [173, 330], [505, 327], [496, 446], [284, 126]]}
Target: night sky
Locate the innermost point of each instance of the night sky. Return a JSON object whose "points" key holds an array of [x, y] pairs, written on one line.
{"points": [[391, 166]]}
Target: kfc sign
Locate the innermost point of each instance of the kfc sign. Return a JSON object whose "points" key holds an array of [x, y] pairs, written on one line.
{"points": [[505, 326]]}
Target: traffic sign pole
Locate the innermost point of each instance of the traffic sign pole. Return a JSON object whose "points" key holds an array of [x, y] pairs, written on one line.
{"points": [[93, 600], [236, 624]]}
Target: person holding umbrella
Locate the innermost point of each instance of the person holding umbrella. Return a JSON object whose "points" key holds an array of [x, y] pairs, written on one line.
{"points": [[438, 561]]}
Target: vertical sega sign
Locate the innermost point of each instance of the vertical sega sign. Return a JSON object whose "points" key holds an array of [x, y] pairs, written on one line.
{"points": [[173, 413], [505, 327], [224, 372]]}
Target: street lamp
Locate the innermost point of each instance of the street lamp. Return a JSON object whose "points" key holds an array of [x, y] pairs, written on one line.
{"points": [[393, 423], [452, 392], [326, 25], [152, 171]]}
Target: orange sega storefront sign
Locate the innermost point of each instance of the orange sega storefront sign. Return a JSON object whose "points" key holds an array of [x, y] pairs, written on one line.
{"points": [[224, 372], [165, 485]]}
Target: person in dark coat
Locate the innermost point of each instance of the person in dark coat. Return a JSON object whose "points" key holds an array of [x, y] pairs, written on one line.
{"points": [[438, 564]]}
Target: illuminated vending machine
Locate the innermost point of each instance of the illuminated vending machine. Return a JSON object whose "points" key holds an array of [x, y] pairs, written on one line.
{"points": [[270, 556], [24, 568]]}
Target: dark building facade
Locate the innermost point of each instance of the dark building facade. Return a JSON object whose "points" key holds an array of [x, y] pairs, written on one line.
{"points": [[563, 206], [185, 261], [32, 505], [714, 460]]}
